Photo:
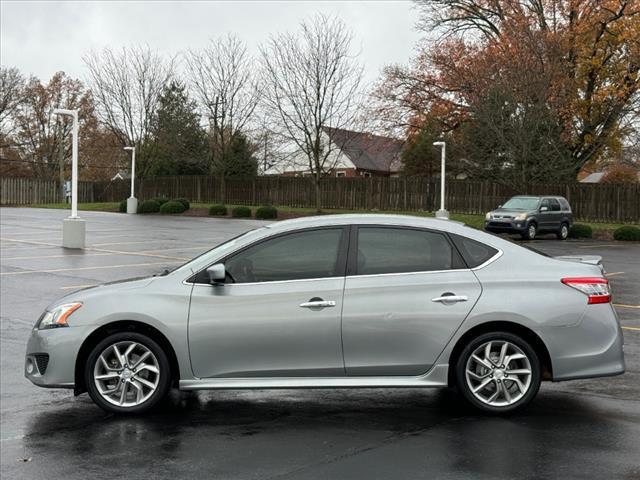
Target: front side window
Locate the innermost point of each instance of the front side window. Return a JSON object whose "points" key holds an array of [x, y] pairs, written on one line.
{"points": [[295, 256], [397, 250], [546, 203]]}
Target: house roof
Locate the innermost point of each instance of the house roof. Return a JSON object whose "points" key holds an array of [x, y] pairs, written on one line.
{"points": [[367, 151], [593, 178]]}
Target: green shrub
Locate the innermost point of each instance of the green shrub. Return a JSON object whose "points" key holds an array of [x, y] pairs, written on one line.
{"points": [[161, 200], [220, 210], [628, 233], [266, 213], [172, 206], [185, 203], [123, 206], [241, 212], [149, 206], [579, 230]]}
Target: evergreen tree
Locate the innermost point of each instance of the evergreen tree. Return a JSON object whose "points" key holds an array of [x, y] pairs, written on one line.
{"points": [[179, 144]]}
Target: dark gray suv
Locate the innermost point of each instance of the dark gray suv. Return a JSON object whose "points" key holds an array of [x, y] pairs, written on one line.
{"points": [[529, 216]]}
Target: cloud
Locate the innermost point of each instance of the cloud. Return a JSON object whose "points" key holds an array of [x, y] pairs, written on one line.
{"points": [[41, 38]]}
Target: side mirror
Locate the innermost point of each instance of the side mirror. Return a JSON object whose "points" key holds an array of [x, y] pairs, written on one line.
{"points": [[217, 273], [544, 209], [500, 206]]}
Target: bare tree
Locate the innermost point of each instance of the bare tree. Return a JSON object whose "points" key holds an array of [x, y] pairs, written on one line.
{"points": [[127, 85], [311, 84], [222, 78], [11, 96]]}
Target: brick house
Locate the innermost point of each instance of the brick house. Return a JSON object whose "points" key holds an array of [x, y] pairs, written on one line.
{"points": [[357, 154]]}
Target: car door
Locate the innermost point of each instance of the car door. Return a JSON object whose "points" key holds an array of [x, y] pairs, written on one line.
{"points": [[397, 317], [555, 217], [278, 313], [545, 217]]}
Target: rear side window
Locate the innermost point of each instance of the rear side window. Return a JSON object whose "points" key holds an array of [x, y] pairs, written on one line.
{"points": [[474, 253], [296, 256], [564, 204], [398, 250], [555, 205]]}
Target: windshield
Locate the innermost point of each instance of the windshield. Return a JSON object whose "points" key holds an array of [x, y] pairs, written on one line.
{"points": [[220, 249], [522, 203]]}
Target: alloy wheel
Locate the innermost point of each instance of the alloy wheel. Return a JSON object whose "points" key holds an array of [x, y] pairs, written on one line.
{"points": [[498, 373], [564, 231], [126, 373], [531, 231]]}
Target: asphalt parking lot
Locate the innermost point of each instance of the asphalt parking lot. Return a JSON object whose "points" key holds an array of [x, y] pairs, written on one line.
{"points": [[581, 429]]}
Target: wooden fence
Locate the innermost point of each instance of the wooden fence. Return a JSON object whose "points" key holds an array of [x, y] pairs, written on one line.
{"points": [[590, 202], [28, 191]]}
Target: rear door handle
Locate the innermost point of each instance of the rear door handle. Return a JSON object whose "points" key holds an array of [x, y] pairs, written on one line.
{"points": [[450, 299], [318, 304]]}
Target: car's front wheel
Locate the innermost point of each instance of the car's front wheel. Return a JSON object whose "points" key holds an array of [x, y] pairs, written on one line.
{"points": [[127, 372], [498, 372], [531, 231]]}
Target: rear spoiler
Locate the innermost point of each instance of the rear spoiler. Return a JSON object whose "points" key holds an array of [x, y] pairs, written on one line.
{"points": [[588, 259]]}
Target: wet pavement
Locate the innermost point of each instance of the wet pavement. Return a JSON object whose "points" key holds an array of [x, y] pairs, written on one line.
{"points": [[581, 429]]}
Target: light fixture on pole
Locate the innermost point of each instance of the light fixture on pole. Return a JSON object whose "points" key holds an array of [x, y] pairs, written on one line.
{"points": [[442, 213], [132, 202], [73, 227]]}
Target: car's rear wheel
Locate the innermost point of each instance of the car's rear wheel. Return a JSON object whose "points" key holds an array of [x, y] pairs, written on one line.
{"points": [[563, 233], [498, 372], [127, 372], [531, 231]]}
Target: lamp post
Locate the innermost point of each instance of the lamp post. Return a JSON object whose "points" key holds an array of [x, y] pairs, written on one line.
{"points": [[73, 227], [132, 201], [442, 213]]}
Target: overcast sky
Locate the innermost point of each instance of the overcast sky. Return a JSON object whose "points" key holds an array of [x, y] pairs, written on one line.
{"points": [[41, 38]]}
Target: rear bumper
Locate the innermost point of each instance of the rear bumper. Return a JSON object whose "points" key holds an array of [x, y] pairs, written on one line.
{"points": [[592, 348]]}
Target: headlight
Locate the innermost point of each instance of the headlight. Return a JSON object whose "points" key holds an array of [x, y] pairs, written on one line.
{"points": [[521, 216], [487, 216], [58, 316]]}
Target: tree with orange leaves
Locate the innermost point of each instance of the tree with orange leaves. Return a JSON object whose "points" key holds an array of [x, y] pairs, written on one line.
{"points": [[576, 60]]}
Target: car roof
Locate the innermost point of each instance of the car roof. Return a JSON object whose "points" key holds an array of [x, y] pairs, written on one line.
{"points": [[537, 196]]}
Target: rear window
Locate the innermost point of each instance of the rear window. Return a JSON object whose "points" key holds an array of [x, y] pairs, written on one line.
{"points": [[474, 253], [564, 204]]}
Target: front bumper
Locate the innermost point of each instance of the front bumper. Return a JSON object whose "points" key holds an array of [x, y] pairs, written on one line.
{"points": [[60, 347], [512, 226], [591, 348]]}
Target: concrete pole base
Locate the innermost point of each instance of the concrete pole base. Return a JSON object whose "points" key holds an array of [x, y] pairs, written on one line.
{"points": [[73, 233], [442, 214], [132, 205]]}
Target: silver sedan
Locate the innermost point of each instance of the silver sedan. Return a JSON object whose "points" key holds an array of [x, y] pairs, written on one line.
{"points": [[338, 301]]}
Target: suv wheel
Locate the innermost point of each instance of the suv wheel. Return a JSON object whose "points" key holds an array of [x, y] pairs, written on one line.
{"points": [[530, 232], [563, 233], [127, 373], [498, 372]]}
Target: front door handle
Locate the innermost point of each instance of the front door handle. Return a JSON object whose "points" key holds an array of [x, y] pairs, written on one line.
{"points": [[450, 299], [318, 303]]}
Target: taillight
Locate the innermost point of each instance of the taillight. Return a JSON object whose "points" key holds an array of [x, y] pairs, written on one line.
{"points": [[595, 288]]}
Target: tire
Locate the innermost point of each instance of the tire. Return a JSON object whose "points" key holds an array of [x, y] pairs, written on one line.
{"points": [[563, 233], [145, 376], [531, 231], [520, 387]]}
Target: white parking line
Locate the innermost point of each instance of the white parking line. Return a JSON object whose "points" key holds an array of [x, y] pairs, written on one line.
{"points": [[613, 274]]}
